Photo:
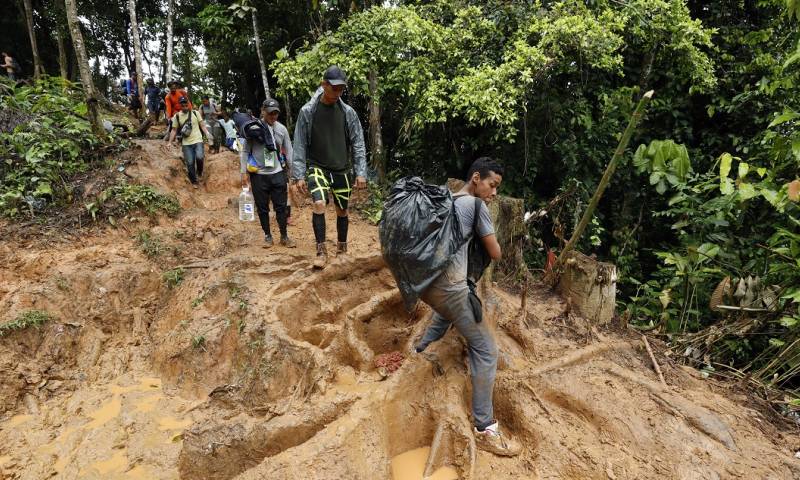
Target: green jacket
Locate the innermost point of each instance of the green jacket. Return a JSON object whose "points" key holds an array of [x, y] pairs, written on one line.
{"points": [[302, 137]]}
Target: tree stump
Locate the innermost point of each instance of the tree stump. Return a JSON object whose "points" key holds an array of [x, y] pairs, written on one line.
{"points": [[589, 287]]}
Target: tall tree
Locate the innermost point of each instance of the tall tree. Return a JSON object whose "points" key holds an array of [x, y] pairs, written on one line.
{"points": [[37, 61], [83, 65], [170, 13], [137, 50], [257, 37]]}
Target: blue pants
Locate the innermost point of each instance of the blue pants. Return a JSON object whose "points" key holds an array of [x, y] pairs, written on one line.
{"points": [[194, 154], [453, 308]]}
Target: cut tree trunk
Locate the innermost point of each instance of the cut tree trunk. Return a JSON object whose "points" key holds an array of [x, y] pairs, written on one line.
{"points": [[37, 61], [83, 66], [257, 36], [375, 136], [170, 13], [589, 287], [137, 51]]}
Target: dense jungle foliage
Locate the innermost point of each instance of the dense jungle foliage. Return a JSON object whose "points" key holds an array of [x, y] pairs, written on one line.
{"points": [[702, 216]]}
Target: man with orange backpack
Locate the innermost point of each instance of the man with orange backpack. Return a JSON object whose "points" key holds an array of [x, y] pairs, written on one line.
{"points": [[172, 102]]}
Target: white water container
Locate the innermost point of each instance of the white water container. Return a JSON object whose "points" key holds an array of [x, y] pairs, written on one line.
{"points": [[246, 206]]}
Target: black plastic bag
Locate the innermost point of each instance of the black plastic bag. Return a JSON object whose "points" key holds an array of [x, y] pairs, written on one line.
{"points": [[419, 235], [254, 130]]}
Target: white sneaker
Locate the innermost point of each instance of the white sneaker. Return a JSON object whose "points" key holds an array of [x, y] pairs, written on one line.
{"points": [[491, 440]]}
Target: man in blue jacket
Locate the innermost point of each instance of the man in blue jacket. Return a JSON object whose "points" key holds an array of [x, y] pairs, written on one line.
{"points": [[327, 133]]}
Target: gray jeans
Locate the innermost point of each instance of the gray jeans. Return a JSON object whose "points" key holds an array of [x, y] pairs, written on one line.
{"points": [[454, 308]]}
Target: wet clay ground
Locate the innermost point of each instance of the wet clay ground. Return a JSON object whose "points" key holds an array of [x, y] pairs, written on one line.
{"points": [[254, 366]]}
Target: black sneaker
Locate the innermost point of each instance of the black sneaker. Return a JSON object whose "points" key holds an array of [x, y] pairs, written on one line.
{"points": [[268, 240]]}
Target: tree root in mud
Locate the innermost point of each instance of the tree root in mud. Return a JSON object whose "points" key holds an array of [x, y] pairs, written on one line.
{"points": [[578, 356], [695, 415]]}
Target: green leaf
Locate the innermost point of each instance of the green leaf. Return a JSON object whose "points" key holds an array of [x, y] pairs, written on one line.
{"points": [[788, 322], [43, 188], [761, 171], [783, 118], [794, 296], [725, 164], [743, 169], [726, 186], [776, 342], [746, 191]]}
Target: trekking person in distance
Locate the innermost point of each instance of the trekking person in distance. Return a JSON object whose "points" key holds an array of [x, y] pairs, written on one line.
{"points": [[187, 124], [153, 94], [282, 141], [327, 132], [262, 171], [11, 65], [229, 127], [132, 91], [172, 102], [450, 297], [209, 111]]}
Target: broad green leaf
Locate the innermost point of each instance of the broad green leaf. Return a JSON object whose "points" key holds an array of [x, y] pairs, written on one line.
{"points": [[788, 322], [761, 171], [776, 342], [743, 169], [783, 118], [726, 186], [725, 165], [793, 295], [746, 191], [43, 188]]}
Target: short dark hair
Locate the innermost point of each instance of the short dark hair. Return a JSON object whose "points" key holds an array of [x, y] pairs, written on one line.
{"points": [[484, 165]]}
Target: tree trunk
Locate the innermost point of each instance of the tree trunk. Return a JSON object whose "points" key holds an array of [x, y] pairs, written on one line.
{"points": [[375, 137], [37, 61], [257, 37], [187, 71], [170, 13], [589, 287], [83, 66], [63, 67], [137, 51], [288, 107]]}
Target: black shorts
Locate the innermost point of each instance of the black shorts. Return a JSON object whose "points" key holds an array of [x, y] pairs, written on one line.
{"points": [[322, 183]]}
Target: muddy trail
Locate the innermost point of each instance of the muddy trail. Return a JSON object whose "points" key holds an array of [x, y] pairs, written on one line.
{"points": [[180, 348]]}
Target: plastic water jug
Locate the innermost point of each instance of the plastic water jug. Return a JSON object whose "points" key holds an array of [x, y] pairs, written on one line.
{"points": [[246, 206]]}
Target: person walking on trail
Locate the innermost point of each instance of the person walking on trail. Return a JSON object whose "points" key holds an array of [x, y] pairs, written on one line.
{"points": [[191, 130], [132, 91], [262, 171], [229, 127], [172, 102], [153, 94], [11, 65], [209, 112], [327, 133], [282, 141], [454, 302]]}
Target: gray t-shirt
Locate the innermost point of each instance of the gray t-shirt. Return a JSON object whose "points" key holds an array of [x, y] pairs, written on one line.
{"points": [[267, 161], [282, 140], [454, 277]]}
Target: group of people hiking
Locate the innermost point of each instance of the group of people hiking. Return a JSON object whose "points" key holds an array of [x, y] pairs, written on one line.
{"points": [[326, 161]]}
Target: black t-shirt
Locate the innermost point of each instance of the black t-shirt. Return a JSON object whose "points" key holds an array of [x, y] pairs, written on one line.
{"points": [[328, 149]]}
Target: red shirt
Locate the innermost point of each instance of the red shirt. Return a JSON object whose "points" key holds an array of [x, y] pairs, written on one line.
{"points": [[171, 100]]}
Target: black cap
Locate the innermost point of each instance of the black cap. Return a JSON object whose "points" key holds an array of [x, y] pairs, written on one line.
{"points": [[175, 82], [271, 105], [183, 100], [335, 76]]}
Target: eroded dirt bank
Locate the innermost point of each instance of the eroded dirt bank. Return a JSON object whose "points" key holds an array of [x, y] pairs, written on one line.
{"points": [[249, 365]]}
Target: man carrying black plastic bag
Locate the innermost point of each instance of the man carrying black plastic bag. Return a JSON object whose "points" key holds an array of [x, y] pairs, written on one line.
{"points": [[454, 301]]}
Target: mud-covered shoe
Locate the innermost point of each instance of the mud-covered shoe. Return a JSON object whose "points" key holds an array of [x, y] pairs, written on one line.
{"points": [[268, 242], [288, 242], [322, 256], [492, 441], [341, 248]]}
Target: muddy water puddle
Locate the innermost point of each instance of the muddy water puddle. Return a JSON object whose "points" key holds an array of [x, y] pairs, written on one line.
{"points": [[410, 465], [128, 429]]}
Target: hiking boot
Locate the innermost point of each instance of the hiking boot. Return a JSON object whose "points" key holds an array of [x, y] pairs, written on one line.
{"points": [[341, 248], [195, 186], [268, 241], [322, 256], [288, 242], [492, 441]]}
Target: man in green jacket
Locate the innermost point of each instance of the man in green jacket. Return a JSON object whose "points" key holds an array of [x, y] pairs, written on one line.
{"points": [[327, 133]]}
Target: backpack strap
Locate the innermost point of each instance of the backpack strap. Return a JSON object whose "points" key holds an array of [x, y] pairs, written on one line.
{"points": [[475, 217]]}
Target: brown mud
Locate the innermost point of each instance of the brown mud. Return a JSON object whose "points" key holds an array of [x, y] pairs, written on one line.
{"points": [[255, 366]]}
